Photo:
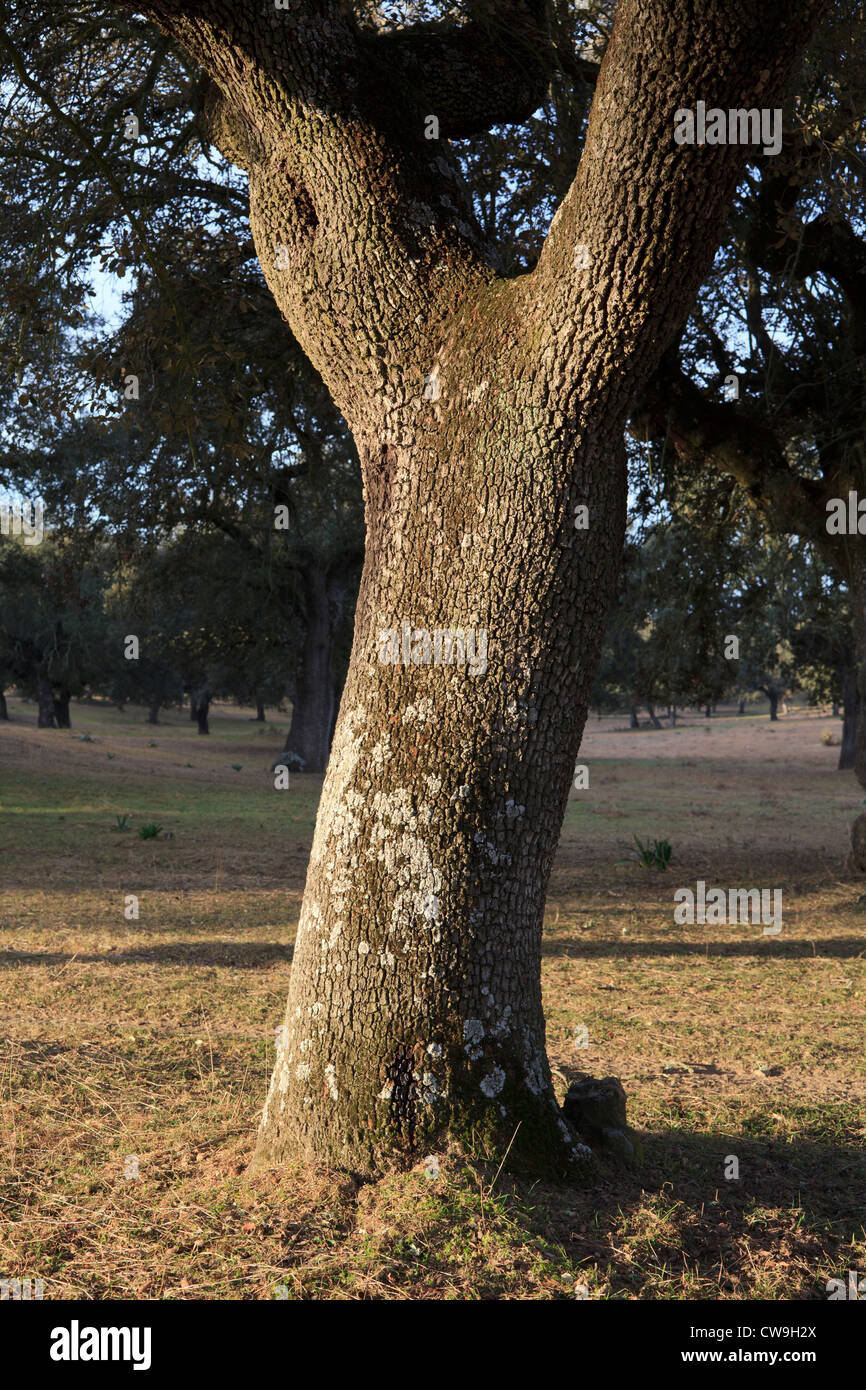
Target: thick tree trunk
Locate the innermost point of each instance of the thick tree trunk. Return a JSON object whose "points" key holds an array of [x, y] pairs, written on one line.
{"points": [[61, 709], [774, 704], [489, 416], [46, 718], [851, 708], [313, 709], [260, 712], [854, 561], [414, 1010], [4, 712]]}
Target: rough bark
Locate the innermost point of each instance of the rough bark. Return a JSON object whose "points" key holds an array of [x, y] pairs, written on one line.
{"points": [[484, 411]]}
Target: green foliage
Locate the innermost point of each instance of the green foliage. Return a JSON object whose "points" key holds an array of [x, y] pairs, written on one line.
{"points": [[653, 854], [150, 831]]}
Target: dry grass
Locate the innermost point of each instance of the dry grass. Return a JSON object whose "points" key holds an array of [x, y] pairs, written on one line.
{"points": [[152, 1040]]}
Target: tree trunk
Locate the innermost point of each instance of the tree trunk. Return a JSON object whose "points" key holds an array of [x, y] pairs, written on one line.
{"points": [[260, 712], [202, 706], [836, 710], [153, 711], [774, 704], [4, 712], [851, 707], [708, 713], [654, 719], [313, 708], [46, 718], [489, 415], [742, 709], [633, 722], [61, 709], [415, 1004]]}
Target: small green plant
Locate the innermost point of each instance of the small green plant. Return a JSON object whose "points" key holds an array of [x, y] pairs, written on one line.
{"points": [[237, 766], [121, 822], [655, 854], [149, 831]]}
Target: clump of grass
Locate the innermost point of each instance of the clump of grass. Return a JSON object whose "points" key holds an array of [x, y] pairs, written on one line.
{"points": [[150, 831], [654, 854], [121, 822]]}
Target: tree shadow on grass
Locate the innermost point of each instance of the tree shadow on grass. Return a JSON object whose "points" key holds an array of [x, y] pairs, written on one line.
{"points": [[780, 1229], [246, 955], [790, 948]]}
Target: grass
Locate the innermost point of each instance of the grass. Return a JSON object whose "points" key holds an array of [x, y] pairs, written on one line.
{"points": [[153, 1038]]}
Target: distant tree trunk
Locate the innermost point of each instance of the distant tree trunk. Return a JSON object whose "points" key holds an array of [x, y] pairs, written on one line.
{"points": [[672, 714], [742, 709], [202, 706], [708, 713], [61, 709], [851, 706], [633, 721], [313, 708], [836, 709], [260, 712], [153, 711], [654, 719], [4, 713], [193, 709], [46, 718], [774, 704]]}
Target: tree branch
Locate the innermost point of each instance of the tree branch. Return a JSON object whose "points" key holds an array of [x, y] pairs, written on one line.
{"points": [[645, 214]]}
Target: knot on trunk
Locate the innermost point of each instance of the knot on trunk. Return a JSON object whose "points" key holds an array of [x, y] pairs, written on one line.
{"points": [[227, 128]]}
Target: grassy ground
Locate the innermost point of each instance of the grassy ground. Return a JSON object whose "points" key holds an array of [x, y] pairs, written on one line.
{"points": [[136, 1053]]}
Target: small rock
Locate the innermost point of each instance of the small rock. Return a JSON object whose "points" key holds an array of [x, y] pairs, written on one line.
{"points": [[596, 1109]]}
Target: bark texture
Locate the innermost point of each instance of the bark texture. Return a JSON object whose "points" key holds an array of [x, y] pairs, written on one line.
{"points": [[485, 411]]}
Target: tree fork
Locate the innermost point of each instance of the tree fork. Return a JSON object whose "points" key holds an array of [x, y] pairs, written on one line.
{"points": [[485, 412]]}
